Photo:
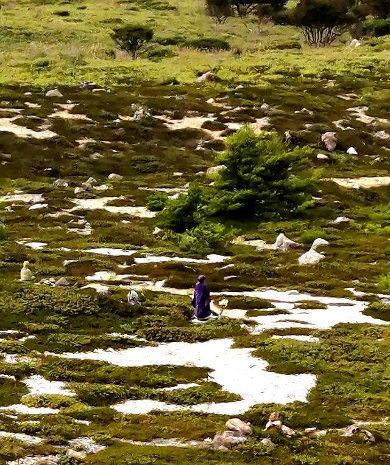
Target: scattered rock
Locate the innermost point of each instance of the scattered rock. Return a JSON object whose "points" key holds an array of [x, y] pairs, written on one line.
{"points": [[330, 140], [96, 156], [235, 424], [54, 93], [210, 101], [62, 282], [215, 169], [284, 244], [79, 190], [352, 151], [157, 230], [355, 43], [340, 219], [382, 135], [226, 440], [60, 184], [322, 156], [25, 273], [268, 443], [314, 432], [76, 454], [274, 424], [264, 107], [88, 85], [356, 429], [115, 177], [312, 257], [5, 156], [206, 77]]}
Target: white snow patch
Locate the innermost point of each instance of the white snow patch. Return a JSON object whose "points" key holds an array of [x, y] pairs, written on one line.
{"points": [[112, 252], [180, 386], [107, 276], [25, 198], [212, 258], [298, 338], [365, 182], [7, 125], [21, 437], [236, 370], [33, 245], [38, 385], [101, 204], [24, 410]]}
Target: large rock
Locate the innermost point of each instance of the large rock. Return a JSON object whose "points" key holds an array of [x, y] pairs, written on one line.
{"points": [[227, 440], [330, 140], [284, 244], [235, 424], [60, 184], [357, 429], [54, 93], [115, 177], [215, 170], [206, 77], [62, 282]]}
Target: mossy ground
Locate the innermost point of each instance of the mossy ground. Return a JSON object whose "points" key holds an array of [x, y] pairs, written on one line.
{"points": [[350, 361]]}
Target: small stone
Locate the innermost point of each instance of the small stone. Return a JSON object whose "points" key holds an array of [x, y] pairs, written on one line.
{"points": [[60, 184], [6, 156], [235, 424], [284, 244], [157, 230], [54, 93], [227, 440], [330, 140], [264, 107], [76, 454], [62, 282], [382, 135], [95, 156], [79, 190], [115, 177], [352, 151], [209, 76], [322, 156], [355, 43], [216, 169], [267, 442], [91, 180], [340, 219], [210, 101]]}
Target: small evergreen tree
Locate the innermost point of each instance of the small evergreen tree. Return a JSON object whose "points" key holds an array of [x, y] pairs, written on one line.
{"points": [[132, 38], [220, 10], [262, 178]]}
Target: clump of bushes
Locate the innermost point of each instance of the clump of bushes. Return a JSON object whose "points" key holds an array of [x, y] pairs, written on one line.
{"points": [[377, 28], [132, 38], [208, 44], [384, 283], [378, 310], [206, 238], [157, 201], [159, 52]]}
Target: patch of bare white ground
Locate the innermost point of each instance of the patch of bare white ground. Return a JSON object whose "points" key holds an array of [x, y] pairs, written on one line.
{"points": [[212, 258], [101, 204], [160, 442], [365, 182], [21, 437], [64, 114], [112, 252], [101, 276], [23, 198], [7, 125], [235, 370], [24, 410], [36, 460], [338, 310], [297, 337], [37, 386], [33, 245], [360, 114]]}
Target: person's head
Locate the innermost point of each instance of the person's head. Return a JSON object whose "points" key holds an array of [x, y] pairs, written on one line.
{"points": [[202, 278]]}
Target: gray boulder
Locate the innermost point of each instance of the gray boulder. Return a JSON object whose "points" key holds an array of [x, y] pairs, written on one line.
{"points": [[54, 93], [329, 139], [227, 440]]}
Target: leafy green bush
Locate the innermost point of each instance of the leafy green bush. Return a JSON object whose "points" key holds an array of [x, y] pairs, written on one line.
{"points": [[132, 38], [182, 213], [41, 64], [160, 52], [208, 44], [307, 237], [384, 283], [206, 238], [3, 232], [156, 202], [377, 28]]}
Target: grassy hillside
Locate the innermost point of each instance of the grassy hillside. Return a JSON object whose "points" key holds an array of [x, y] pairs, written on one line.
{"points": [[46, 41]]}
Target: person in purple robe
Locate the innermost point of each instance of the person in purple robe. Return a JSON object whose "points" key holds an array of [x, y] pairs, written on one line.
{"points": [[201, 299]]}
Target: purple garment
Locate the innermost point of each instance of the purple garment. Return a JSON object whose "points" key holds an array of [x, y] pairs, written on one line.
{"points": [[201, 301]]}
